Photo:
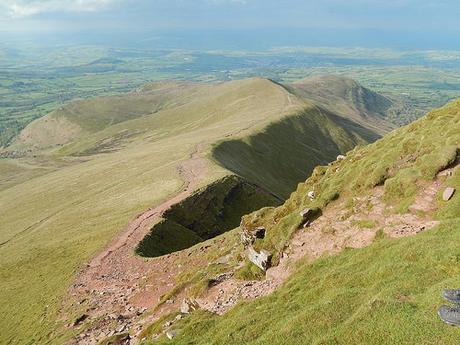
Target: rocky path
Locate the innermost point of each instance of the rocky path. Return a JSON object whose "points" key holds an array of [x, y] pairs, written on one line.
{"points": [[338, 228], [117, 287]]}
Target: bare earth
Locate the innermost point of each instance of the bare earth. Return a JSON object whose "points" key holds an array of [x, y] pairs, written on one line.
{"points": [[114, 287], [118, 289]]}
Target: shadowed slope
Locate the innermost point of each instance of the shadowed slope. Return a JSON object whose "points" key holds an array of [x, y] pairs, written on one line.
{"points": [[287, 151], [347, 98], [209, 212]]}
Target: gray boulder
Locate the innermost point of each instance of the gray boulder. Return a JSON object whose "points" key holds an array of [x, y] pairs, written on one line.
{"points": [[448, 193], [261, 260]]}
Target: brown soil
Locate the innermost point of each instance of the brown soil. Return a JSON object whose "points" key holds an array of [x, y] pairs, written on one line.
{"points": [[117, 288]]}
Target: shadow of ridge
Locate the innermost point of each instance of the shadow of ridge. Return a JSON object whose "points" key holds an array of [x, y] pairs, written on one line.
{"points": [[207, 213]]}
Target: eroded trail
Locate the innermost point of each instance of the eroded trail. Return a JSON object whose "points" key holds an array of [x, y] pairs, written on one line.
{"points": [[337, 228], [117, 288], [112, 289]]}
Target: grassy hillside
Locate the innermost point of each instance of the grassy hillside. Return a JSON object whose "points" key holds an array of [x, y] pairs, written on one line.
{"points": [[92, 166], [387, 293], [285, 152], [81, 118], [346, 97]]}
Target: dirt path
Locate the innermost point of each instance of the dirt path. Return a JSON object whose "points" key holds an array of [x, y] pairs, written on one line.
{"points": [[114, 290], [117, 288], [338, 228]]}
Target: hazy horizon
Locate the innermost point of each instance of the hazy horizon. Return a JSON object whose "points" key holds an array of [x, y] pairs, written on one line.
{"points": [[234, 24]]}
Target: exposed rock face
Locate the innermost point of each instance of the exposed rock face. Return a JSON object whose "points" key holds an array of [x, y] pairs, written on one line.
{"points": [[306, 213], [188, 306], [248, 237], [448, 193], [261, 260]]}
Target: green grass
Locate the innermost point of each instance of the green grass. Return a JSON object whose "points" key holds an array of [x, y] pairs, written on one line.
{"points": [[365, 223], [287, 152], [387, 293], [249, 272], [69, 201]]}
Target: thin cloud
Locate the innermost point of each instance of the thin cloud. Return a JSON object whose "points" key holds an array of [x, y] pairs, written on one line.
{"points": [[25, 8]]}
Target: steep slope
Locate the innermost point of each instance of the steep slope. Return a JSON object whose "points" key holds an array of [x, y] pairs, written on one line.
{"points": [[284, 153], [347, 98], [117, 159], [386, 197], [209, 212]]}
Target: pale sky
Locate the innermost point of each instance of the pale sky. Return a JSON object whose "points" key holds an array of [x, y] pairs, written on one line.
{"points": [[405, 16]]}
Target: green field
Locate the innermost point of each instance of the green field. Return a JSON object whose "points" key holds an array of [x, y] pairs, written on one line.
{"points": [[73, 178]]}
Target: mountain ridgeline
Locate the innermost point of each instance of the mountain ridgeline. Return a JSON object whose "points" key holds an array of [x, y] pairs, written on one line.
{"points": [[109, 158]]}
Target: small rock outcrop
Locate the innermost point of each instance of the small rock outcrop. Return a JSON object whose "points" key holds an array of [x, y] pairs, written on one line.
{"points": [[261, 260], [248, 237], [448, 193], [188, 306], [312, 195]]}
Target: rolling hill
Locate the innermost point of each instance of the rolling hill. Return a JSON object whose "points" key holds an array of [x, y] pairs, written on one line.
{"points": [[72, 180]]}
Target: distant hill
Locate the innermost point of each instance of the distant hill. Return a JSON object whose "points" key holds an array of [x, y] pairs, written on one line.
{"points": [[327, 115], [345, 97], [73, 179]]}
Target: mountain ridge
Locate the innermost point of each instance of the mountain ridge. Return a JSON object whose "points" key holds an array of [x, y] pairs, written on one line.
{"points": [[63, 203]]}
